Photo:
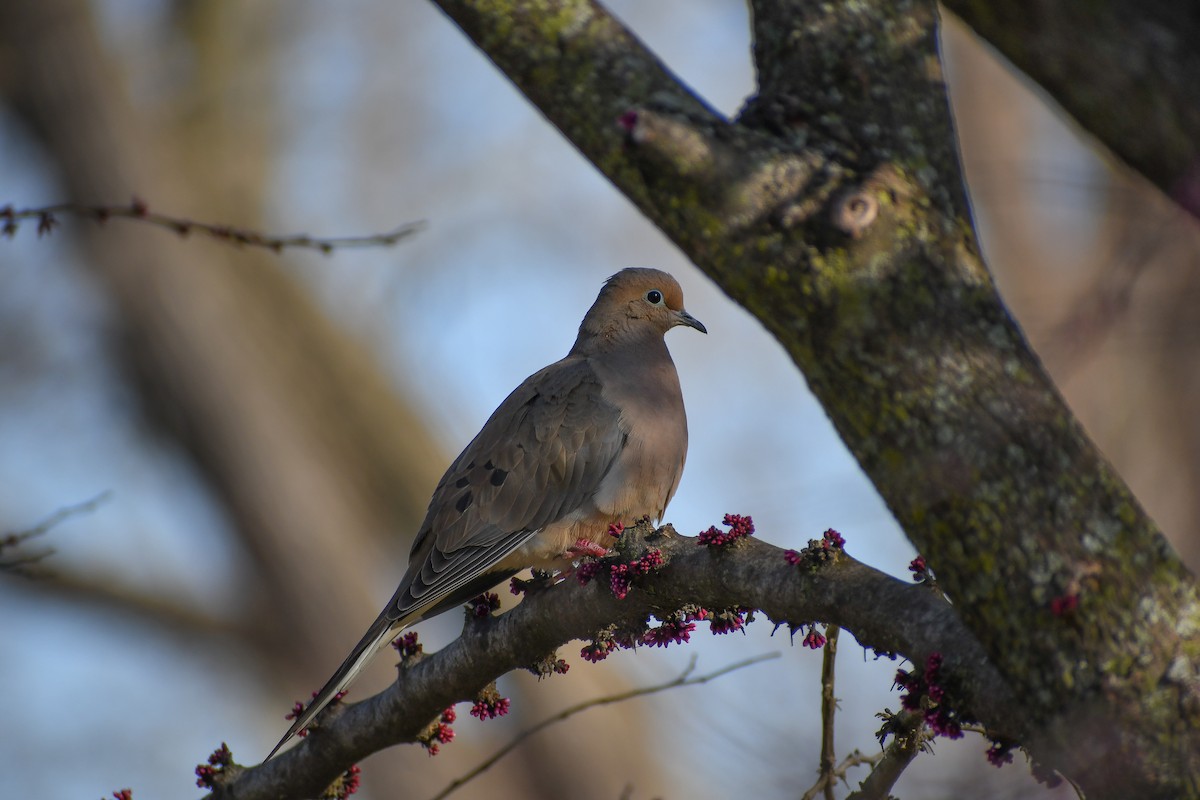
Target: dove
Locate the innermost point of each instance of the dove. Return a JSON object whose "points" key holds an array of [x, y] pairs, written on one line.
{"points": [[597, 438]]}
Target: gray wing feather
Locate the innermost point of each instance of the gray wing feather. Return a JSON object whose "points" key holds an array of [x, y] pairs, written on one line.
{"points": [[541, 455]]}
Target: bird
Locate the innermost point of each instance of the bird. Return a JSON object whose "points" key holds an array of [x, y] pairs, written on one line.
{"points": [[596, 438]]}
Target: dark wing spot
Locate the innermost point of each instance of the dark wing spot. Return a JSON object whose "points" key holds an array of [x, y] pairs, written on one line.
{"points": [[498, 477], [461, 482], [464, 502], [489, 465]]}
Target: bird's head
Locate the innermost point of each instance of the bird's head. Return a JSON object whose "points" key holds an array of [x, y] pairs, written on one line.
{"points": [[634, 303]]}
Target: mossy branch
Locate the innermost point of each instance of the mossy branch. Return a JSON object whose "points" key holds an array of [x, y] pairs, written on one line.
{"points": [[880, 611]]}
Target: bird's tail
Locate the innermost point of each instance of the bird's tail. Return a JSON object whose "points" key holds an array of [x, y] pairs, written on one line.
{"points": [[382, 631]]}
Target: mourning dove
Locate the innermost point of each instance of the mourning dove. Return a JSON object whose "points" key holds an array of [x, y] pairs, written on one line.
{"points": [[596, 438]]}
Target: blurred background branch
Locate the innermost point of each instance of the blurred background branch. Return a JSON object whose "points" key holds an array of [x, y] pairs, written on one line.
{"points": [[1128, 73], [19, 562], [48, 219]]}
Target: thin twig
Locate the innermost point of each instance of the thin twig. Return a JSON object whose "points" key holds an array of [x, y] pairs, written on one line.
{"points": [[827, 777], [17, 564], [828, 709], [856, 759], [683, 679], [47, 221]]}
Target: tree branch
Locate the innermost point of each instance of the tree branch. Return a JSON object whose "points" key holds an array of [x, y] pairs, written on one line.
{"points": [[47, 221], [829, 769], [908, 736], [834, 210], [828, 709], [882, 613], [20, 563]]}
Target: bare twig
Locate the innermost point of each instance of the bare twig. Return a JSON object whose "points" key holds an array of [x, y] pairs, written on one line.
{"points": [[855, 759], [683, 679], [828, 709], [47, 221], [18, 564]]}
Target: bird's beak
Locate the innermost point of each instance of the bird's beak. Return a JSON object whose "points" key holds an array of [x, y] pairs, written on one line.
{"points": [[684, 318]]}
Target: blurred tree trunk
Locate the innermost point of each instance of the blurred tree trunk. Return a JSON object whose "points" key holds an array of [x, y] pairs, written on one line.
{"points": [[324, 470], [321, 467], [310, 450], [1128, 71], [1111, 322]]}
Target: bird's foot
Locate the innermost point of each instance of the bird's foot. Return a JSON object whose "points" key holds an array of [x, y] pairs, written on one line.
{"points": [[585, 547]]}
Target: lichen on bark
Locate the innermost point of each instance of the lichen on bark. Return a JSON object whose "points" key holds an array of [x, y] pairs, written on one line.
{"points": [[900, 333]]}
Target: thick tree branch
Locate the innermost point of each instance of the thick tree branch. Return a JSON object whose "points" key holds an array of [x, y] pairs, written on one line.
{"points": [[882, 613], [620, 93], [834, 210]]}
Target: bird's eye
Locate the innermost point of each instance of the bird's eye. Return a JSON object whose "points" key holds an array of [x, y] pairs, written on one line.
{"points": [[654, 297]]}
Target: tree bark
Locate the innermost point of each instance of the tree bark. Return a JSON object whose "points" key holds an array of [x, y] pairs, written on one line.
{"points": [[833, 209], [882, 613]]}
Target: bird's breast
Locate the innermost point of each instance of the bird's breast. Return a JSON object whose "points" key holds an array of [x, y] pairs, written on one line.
{"points": [[646, 472]]}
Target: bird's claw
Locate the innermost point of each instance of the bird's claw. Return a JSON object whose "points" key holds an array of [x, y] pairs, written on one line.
{"points": [[585, 547]]}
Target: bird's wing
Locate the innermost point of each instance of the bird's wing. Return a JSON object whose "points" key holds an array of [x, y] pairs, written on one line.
{"points": [[541, 456]]}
